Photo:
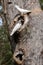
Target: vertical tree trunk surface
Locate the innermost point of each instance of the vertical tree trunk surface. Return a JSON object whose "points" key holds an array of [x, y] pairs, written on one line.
{"points": [[31, 38]]}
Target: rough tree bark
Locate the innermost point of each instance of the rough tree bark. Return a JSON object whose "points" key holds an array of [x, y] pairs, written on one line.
{"points": [[31, 38]]}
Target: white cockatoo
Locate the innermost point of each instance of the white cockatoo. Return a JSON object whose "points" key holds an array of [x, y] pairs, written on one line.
{"points": [[19, 26]]}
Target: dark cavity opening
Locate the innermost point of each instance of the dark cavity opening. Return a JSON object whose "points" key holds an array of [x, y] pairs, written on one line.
{"points": [[9, 2], [19, 56], [16, 37]]}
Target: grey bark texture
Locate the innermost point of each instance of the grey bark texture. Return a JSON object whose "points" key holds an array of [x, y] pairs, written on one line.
{"points": [[31, 38]]}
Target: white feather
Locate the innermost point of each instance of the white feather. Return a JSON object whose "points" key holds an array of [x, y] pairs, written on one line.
{"points": [[22, 10], [16, 27]]}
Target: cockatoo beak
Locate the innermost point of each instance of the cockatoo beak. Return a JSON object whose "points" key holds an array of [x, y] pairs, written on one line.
{"points": [[16, 27], [24, 11]]}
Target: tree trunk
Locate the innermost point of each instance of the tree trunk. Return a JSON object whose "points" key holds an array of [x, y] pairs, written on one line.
{"points": [[31, 38]]}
